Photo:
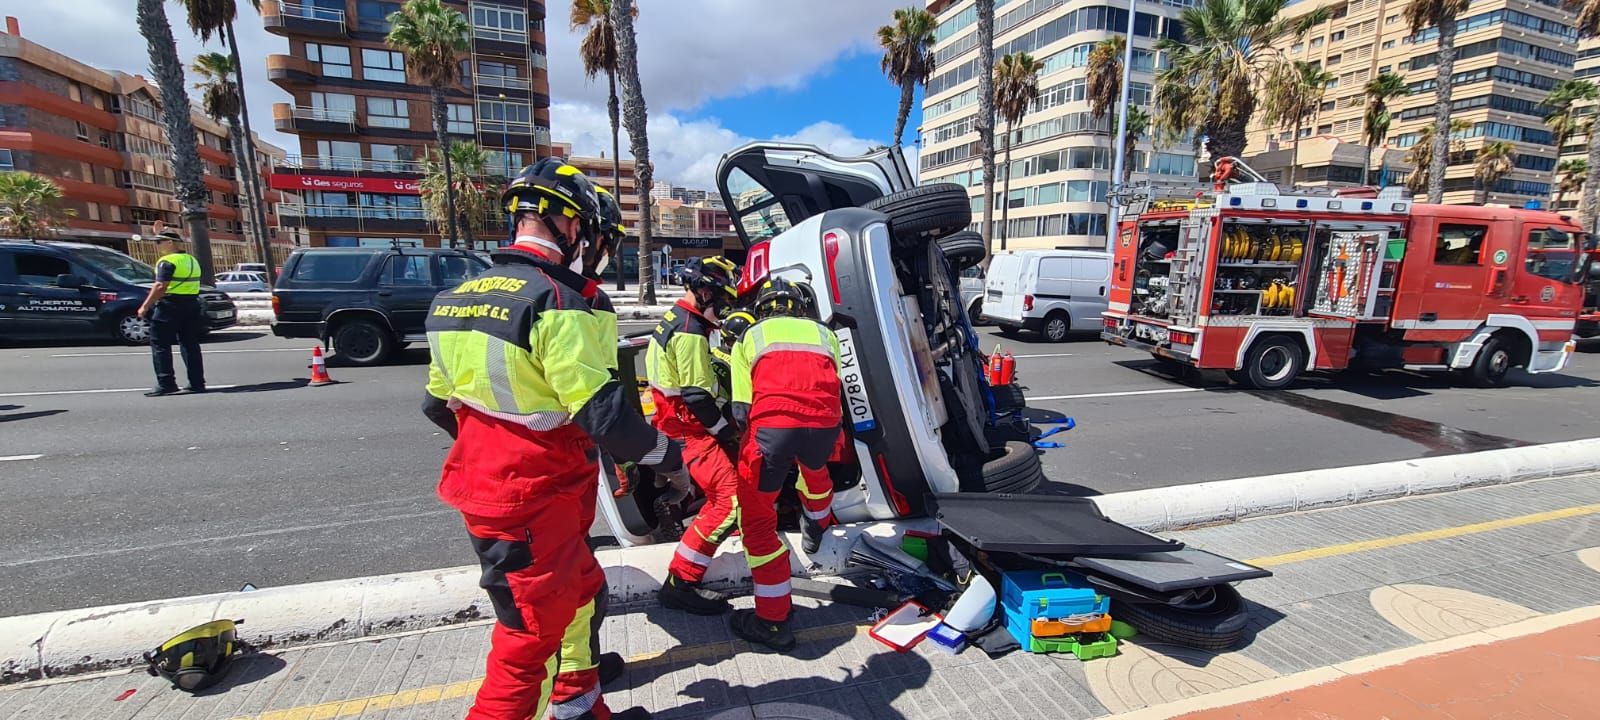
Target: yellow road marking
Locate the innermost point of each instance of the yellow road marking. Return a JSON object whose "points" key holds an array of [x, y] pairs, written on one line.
{"points": [[1424, 536], [712, 651]]}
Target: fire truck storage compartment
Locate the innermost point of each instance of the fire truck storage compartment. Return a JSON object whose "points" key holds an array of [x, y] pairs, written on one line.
{"points": [[1258, 267], [1152, 277], [1354, 270]]}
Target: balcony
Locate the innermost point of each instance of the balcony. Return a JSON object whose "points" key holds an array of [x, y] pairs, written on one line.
{"points": [[292, 18], [313, 119], [502, 81], [288, 71], [352, 217], [296, 163]]}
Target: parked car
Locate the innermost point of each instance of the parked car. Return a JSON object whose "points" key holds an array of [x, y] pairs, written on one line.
{"points": [[241, 281], [883, 258], [1050, 292], [62, 289], [366, 302], [251, 267], [972, 293]]}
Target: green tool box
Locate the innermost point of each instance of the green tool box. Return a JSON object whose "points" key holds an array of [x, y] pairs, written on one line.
{"points": [[1086, 647]]}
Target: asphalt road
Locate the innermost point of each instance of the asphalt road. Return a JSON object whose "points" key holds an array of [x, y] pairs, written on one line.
{"points": [[109, 496]]}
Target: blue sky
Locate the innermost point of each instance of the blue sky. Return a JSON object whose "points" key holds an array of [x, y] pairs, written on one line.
{"points": [[852, 93]]}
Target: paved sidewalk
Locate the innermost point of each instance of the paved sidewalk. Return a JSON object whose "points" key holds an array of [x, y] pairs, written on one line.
{"points": [[1351, 583]]}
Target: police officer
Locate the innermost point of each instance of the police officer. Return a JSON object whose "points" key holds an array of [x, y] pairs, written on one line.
{"points": [[520, 377], [684, 386], [786, 395], [173, 309]]}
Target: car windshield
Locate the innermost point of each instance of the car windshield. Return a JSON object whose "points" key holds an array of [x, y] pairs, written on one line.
{"points": [[117, 265]]}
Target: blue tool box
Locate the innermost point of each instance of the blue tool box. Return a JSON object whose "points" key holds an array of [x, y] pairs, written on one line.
{"points": [[1030, 594]]}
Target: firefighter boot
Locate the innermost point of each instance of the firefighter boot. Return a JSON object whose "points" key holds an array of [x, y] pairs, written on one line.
{"points": [[612, 666], [633, 713], [775, 635], [811, 533], [691, 598]]}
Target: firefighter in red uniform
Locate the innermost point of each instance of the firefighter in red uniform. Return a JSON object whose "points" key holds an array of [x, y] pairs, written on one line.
{"points": [[520, 377], [683, 383], [786, 395]]}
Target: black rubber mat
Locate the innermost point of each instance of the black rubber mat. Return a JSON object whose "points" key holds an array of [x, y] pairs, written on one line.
{"points": [[1042, 526], [1170, 571]]}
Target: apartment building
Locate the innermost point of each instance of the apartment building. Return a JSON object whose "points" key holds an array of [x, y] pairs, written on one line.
{"points": [[1061, 155], [692, 196], [1587, 67], [99, 134], [1509, 56], [364, 124], [602, 171]]}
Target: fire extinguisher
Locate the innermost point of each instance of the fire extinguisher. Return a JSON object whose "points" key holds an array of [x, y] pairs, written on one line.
{"points": [[1008, 369], [996, 361]]}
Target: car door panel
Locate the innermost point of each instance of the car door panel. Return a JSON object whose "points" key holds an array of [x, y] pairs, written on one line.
{"points": [[42, 308], [406, 287], [769, 187]]}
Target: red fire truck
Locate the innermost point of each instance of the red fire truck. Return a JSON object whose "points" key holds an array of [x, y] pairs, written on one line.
{"points": [[1266, 284]]}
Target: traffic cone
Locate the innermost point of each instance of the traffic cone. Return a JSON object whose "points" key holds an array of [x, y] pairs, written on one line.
{"points": [[319, 368]]}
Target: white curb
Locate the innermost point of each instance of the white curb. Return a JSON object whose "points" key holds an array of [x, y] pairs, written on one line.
{"points": [[64, 642]]}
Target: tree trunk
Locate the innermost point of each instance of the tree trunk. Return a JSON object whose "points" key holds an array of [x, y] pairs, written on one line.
{"points": [[252, 173], [985, 119], [1005, 191], [907, 93], [1561, 197], [637, 116], [186, 166], [1440, 162], [1587, 203], [1294, 154], [616, 166], [439, 125], [1366, 166]]}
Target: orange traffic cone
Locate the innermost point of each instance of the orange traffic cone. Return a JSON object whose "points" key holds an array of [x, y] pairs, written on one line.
{"points": [[319, 368]]}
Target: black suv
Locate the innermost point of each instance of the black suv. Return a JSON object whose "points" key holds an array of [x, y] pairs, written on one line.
{"points": [[369, 302], [62, 289]]}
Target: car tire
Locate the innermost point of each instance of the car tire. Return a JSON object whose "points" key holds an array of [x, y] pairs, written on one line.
{"points": [[927, 211], [1493, 363], [963, 249], [1215, 624], [1008, 397], [1273, 363], [975, 313], [130, 329], [362, 342], [1014, 470], [1057, 326]]}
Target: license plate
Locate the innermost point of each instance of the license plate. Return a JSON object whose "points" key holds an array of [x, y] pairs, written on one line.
{"points": [[220, 314], [855, 389]]}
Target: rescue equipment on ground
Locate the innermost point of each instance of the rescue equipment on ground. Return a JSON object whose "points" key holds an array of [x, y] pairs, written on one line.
{"points": [[1002, 368], [906, 626], [196, 658]]}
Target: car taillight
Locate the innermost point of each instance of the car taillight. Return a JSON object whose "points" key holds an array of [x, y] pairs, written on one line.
{"points": [[830, 251], [275, 312], [896, 498], [755, 268], [1027, 302], [1181, 338]]}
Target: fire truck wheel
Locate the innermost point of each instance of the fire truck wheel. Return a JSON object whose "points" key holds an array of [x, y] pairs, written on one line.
{"points": [[1494, 361], [1273, 363], [926, 211], [1214, 621]]}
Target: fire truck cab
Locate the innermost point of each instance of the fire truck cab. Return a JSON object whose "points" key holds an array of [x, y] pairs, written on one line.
{"points": [[1266, 284]]}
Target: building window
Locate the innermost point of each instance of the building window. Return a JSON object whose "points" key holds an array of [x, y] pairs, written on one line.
{"points": [[93, 211], [1334, 60], [7, 162], [1336, 36], [497, 23], [335, 59], [387, 113], [334, 107], [143, 109], [499, 74], [83, 132], [389, 158], [1459, 244], [383, 65], [1316, 43], [373, 15], [509, 113], [116, 213], [339, 155], [1392, 19], [460, 119]]}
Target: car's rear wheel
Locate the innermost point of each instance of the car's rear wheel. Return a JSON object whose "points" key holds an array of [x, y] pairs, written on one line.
{"points": [[927, 211], [131, 329], [1015, 469], [963, 249], [362, 342], [1057, 326]]}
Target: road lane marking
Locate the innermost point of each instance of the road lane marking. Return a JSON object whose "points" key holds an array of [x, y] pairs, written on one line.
{"points": [[9, 458], [1044, 355], [206, 351], [1164, 391], [712, 651], [43, 393]]}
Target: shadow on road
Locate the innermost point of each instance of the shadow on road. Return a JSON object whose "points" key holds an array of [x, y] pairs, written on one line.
{"points": [[414, 355], [13, 417], [227, 336], [267, 386]]}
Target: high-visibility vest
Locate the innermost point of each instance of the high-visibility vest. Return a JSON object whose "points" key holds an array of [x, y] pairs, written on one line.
{"points": [[786, 372], [683, 380], [185, 274]]}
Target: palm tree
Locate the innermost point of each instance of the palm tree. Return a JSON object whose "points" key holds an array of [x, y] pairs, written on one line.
{"points": [[907, 57], [1495, 160], [1293, 93], [1421, 155], [1016, 86], [1211, 83], [1423, 14], [1105, 76], [475, 193], [1571, 175], [30, 206], [186, 166], [1138, 128], [219, 98], [1589, 26], [1377, 119], [432, 36], [985, 120], [599, 54], [217, 16], [637, 116], [1565, 119]]}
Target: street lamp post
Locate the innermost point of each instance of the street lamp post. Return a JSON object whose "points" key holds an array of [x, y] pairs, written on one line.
{"points": [[1122, 129], [505, 137]]}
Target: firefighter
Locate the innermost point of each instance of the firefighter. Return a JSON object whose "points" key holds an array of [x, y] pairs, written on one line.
{"points": [[684, 385], [597, 253], [519, 376], [786, 397]]}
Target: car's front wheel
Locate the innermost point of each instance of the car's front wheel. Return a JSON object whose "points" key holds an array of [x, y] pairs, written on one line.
{"points": [[131, 329], [362, 342], [1057, 326]]}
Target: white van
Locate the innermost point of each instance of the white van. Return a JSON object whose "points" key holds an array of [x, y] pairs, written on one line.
{"points": [[1050, 292]]}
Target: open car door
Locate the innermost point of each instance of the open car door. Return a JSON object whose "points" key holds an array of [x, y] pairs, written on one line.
{"points": [[770, 187]]}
